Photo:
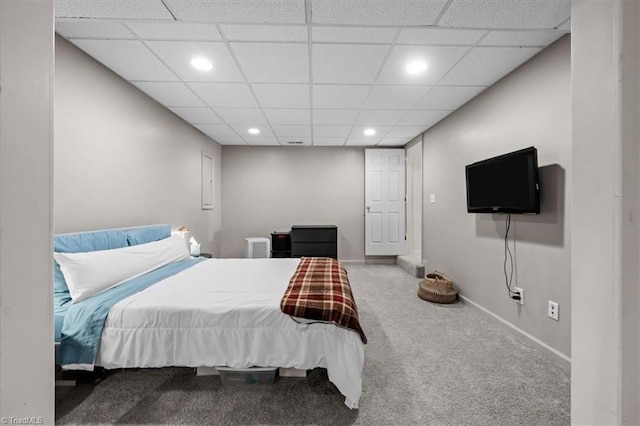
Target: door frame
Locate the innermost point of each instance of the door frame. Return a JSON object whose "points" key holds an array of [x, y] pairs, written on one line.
{"points": [[414, 206]]}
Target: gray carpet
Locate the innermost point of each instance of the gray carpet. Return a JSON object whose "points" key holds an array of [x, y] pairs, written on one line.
{"points": [[424, 364]]}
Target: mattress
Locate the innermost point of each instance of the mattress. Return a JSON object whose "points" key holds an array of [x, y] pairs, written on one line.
{"points": [[226, 312]]}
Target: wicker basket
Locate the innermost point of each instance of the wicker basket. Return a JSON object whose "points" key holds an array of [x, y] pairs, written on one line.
{"points": [[438, 288]]}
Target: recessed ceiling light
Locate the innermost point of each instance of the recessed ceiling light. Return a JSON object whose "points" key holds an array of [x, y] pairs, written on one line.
{"points": [[254, 131], [202, 64], [369, 132], [416, 67]]}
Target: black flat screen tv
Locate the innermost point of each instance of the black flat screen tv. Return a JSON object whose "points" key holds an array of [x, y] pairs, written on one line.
{"points": [[505, 184]]}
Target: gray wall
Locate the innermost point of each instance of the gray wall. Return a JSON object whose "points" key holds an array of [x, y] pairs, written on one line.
{"points": [[605, 375], [529, 107], [121, 159], [268, 189], [26, 306]]}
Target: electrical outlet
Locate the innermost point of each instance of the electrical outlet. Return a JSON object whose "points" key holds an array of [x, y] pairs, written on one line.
{"points": [[554, 310], [521, 291]]}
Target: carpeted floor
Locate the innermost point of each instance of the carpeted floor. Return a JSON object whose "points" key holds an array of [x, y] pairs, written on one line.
{"points": [[424, 364]]}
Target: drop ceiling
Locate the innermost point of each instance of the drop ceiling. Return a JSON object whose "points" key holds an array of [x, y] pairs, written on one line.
{"points": [[315, 72]]}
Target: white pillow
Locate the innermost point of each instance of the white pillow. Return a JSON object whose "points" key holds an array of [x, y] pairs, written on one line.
{"points": [[90, 273]]}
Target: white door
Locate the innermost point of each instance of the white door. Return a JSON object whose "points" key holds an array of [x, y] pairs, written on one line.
{"points": [[384, 202]]}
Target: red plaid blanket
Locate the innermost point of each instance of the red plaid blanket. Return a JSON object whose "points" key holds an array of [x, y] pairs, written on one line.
{"points": [[320, 290]]}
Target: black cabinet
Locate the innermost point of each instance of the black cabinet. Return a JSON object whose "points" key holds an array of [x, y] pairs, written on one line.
{"points": [[314, 241], [280, 244]]}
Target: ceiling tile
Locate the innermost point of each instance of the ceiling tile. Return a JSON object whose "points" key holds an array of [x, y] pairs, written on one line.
{"points": [[353, 35], [128, 58], [216, 130], [175, 31], [330, 131], [243, 130], [328, 141], [230, 140], [170, 94], [288, 116], [197, 115], [358, 141], [521, 38], [252, 116], [112, 9], [347, 63], [225, 95], [376, 117], [346, 60], [393, 141], [442, 37], [423, 118], [506, 13], [405, 132], [483, 66], [257, 140], [282, 95], [336, 96], [358, 132], [292, 131], [334, 117], [448, 97], [92, 28], [395, 97], [439, 61], [178, 55], [265, 32], [273, 62], [258, 12], [379, 12]]}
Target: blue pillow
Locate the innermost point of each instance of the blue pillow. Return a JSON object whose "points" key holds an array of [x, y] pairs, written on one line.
{"points": [[81, 243], [147, 234]]}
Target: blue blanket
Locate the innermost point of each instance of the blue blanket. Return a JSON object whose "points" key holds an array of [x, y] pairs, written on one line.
{"points": [[84, 321]]}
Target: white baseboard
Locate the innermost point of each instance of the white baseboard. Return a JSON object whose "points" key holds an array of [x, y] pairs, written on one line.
{"points": [[555, 354]]}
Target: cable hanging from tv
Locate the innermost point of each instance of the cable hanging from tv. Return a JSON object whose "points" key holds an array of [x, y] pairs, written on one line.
{"points": [[508, 258]]}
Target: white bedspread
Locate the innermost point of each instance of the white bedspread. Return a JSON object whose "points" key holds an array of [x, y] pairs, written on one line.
{"points": [[226, 312]]}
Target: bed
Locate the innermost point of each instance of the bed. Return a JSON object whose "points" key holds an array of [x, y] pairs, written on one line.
{"points": [[195, 312]]}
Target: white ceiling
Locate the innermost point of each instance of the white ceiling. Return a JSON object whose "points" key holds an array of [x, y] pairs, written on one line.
{"points": [[318, 72]]}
